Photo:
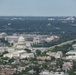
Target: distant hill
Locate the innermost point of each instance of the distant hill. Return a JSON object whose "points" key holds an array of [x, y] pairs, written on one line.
{"points": [[45, 25]]}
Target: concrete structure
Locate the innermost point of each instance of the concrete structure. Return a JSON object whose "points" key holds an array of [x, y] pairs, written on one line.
{"points": [[19, 51], [72, 52], [74, 46], [67, 66], [52, 38], [71, 55], [19, 54], [7, 70], [55, 54], [21, 43], [3, 35], [44, 58], [45, 72]]}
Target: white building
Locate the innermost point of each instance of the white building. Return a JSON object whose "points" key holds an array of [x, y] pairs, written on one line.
{"points": [[3, 35], [45, 72], [67, 66], [52, 38], [55, 54], [74, 46], [21, 43], [21, 54], [36, 40], [71, 55], [19, 51]]}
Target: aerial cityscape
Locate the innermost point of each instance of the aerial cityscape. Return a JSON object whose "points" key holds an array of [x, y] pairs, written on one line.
{"points": [[37, 37]]}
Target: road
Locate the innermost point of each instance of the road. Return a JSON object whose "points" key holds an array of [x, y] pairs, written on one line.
{"points": [[62, 43]]}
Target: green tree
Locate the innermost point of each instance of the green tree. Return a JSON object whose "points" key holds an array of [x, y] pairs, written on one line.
{"points": [[38, 52], [59, 62], [74, 65], [28, 51]]}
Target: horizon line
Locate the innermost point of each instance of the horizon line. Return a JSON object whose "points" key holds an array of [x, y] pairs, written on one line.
{"points": [[34, 16]]}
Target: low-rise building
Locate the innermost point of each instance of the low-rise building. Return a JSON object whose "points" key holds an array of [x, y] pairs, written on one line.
{"points": [[45, 72], [44, 58], [67, 66], [7, 70], [58, 54]]}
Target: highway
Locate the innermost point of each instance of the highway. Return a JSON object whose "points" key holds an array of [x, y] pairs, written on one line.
{"points": [[68, 42]]}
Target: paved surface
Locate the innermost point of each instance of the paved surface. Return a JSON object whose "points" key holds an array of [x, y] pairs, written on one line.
{"points": [[62, 43]]}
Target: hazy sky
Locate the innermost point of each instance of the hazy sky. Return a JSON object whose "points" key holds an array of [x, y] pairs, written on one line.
{"points": [[37, 7]]}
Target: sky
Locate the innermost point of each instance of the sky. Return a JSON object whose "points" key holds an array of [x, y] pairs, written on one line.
{"points": [[37, 7]]}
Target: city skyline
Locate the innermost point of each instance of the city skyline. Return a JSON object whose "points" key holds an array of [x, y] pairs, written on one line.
{"points": [[37, 8]]}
